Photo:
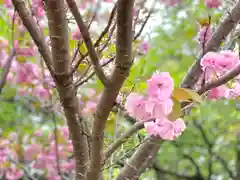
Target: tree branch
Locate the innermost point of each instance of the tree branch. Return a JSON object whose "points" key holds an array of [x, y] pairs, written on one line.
{"points": [[58, 31], [35, 33], [86, 37], [213, 45], [221, 80], [145, 153], [122, 139], [119, 75], [6, 69]]}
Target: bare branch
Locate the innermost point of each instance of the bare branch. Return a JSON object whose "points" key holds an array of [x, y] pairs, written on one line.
{"points": [[81, 82], [86, 37], [6, 69], [213, 45], [58, 30], [119, 75], [145, 21], [32, 28], [106, 29]]}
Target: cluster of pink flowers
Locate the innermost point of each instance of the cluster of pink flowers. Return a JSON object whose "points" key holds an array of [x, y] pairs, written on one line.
{"points": [[26, 74], [41, 158], [216, 64], [155, 108]]}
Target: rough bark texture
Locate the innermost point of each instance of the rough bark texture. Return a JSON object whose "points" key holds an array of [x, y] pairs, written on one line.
{"points": [[58, 29], [213, 45], [109, 95], [142, 158]]}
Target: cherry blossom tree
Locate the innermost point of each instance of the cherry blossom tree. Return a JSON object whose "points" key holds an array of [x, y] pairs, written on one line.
{"points": [[49, 68]]}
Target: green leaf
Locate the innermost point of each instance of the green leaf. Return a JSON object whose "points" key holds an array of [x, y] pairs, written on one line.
{"points": [[9, 92], [176, 111], [83, 48], [183, 94], [110, 125]]}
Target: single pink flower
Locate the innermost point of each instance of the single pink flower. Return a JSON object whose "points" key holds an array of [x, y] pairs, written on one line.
{"points": [[160, 86], [135, 106], [144, 47]]}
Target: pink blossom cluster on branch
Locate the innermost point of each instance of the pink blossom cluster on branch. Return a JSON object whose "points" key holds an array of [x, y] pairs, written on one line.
{"points": [[26, 74], [41, 154], [154, 108], [215, 65]]}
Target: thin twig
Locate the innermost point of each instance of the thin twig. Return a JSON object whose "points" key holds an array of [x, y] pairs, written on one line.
{"points": [[86, 37], [92, 74]]}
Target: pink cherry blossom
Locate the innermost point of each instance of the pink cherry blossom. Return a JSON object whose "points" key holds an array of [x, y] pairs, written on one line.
{"points": [[53, 174], [209, 60], [204, 34], [68, 166], [213, 3], [229, 60], [179, 127], [160, 86], [144, 47], [31, 151], [38, 133], [218, 92], [41, 92], [76, 35], [135, 105], [41, 161], [165, 129], [8, 3], [157, 108], [14, 174]]}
